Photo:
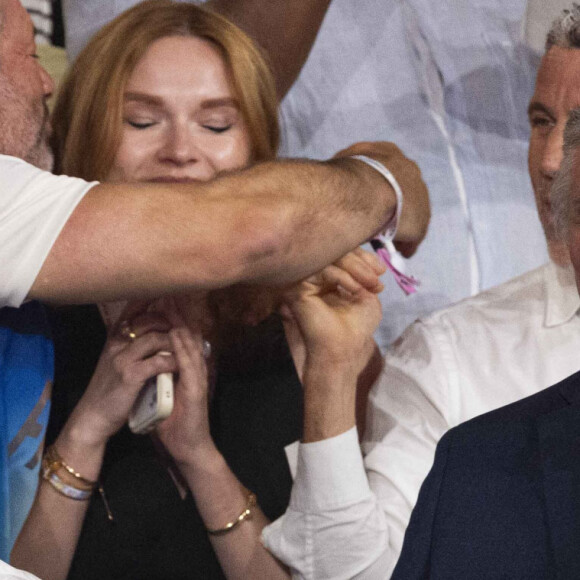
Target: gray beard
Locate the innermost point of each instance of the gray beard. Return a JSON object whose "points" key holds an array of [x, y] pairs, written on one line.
{"points": [[23, 128]]}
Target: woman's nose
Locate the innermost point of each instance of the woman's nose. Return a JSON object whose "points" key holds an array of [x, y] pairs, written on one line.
{"points": [[180, 146]]}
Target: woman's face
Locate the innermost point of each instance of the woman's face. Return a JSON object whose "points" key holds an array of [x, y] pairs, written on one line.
{"points": [[181, 121]]}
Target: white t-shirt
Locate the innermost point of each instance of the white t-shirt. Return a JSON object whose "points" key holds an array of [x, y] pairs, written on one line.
{"points": [[9, 573], [34, 206]]}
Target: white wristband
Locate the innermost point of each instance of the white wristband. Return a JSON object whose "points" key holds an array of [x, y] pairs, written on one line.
{"points": [[391, 227]]}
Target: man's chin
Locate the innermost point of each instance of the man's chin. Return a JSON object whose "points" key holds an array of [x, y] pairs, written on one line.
{"points": [[41, 158], [558, 252]]}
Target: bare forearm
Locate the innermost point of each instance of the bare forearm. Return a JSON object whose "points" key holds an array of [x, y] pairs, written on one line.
{"points": [[48, 539], [275, 223], [366, 380], [220, 499], [285, 29], [313, 214]]}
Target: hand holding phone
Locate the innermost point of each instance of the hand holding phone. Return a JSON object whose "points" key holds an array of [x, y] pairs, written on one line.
{"points": [[153, 404]]}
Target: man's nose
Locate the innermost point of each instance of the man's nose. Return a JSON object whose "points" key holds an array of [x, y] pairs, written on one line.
{"points": [[47, 82], [553, 152]]}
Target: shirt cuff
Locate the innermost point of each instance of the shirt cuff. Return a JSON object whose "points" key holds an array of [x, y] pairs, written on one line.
{"points": [[330, 474]]}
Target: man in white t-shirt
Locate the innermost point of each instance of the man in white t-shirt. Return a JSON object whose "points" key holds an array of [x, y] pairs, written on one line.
{"points": [[343, 202], [60, 241]]}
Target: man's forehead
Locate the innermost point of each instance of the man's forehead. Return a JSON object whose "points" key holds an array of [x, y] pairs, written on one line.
{"points": [[559, 62], [14, 20], [558, 81]]}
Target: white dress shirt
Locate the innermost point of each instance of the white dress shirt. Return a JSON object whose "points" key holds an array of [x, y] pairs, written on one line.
{"points": [[347, 516]]}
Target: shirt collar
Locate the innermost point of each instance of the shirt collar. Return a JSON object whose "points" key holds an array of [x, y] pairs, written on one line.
{"points": [[562, 299]]}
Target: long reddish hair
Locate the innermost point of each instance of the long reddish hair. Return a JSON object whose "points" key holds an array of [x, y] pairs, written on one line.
{"points": [[88, 114]]}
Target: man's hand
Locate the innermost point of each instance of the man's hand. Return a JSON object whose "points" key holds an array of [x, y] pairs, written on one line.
{"points": [[416, 210], [336, 316], [337, 311]]}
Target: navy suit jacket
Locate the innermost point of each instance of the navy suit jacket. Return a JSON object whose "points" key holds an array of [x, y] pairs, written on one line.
{"points": [[503, 497]]}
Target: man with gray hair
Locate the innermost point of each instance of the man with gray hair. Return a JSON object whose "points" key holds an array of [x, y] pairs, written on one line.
{"points": [[482, 353], [503, 497]]}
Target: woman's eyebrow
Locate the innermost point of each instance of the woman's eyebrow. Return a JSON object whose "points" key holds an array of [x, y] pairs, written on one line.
{"points": [[220, 102], [134, 97], [152, 100]]}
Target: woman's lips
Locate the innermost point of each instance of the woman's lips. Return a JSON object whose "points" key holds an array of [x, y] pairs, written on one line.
{"points": [[171, 179]]}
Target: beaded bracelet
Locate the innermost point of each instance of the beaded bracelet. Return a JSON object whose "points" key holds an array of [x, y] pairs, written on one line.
{"points": [[246, 514]]}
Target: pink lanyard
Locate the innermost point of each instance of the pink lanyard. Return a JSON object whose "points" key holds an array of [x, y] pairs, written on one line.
{"points": [[408, 284]]}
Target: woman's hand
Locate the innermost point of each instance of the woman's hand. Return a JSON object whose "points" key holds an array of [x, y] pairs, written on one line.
{"points": [[123, 368], [185, 433]]}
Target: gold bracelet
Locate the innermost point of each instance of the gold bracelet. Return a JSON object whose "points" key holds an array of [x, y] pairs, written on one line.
{"points": [[246, 514], [64, 489], [52, 462]]}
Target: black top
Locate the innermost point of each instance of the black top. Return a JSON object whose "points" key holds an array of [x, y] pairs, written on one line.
{"points": [[256, 411]]}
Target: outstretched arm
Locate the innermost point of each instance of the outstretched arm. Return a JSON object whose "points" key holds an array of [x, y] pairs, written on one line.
{"points": [[285, 29], [274, 223]]}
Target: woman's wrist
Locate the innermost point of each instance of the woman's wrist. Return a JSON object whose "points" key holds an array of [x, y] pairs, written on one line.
{"points": [[202, 455], [81, 450], [89, 427]]}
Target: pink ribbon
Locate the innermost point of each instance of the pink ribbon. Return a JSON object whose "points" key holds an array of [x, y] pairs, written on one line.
{"points": [[408, 284]]}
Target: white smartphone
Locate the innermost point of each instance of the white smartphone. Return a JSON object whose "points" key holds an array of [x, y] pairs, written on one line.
{"points": [[154, 403]]}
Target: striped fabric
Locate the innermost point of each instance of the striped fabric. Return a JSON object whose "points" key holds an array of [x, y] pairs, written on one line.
{"points": [[41, 13]]}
